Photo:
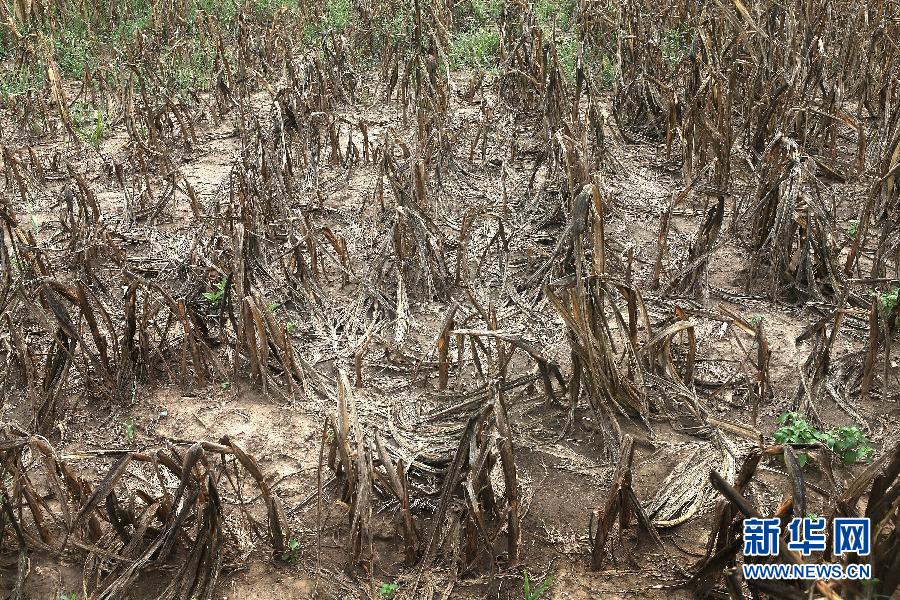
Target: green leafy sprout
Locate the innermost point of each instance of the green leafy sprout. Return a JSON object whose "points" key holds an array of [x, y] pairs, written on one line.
{"points": [[607, 71], [530, 593], [130, 431], [216, 296], [675, 43], [849, 443], [889, 302], [387, 590], [293, 551], [477, 48]]}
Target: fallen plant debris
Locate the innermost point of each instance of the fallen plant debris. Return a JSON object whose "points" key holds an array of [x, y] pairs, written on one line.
{"points": [[496, 298], [184, 515]]}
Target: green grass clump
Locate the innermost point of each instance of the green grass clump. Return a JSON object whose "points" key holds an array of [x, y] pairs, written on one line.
{"points": [[567, 50], [89, 123], [548, 11], [676, 43], [193, 67], [608, 70], [16, 82], [477, 12], [476, 48], [337, 14], [530, 593]]}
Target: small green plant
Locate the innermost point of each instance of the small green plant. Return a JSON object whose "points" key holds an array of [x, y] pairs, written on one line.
{"points": [[89, 123], [225, 385], [130, 431], [216, 296], [607, 71], [293, 551], [853, 227], [337, 15], [97, 134], [69, 596], [291, 326], [387, 590], [675, 43], [477, 48], [567, 50], [273, 306], [888, 300], [869, 586], [533, 594], [756, 320], [15, 83], [192, 68], [546, 11], [849, 443], [93, 134], [486, 10]]}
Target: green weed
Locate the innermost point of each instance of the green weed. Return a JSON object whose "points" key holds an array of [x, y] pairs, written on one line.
{"points": [[268, 7], [193, 67], [75, 50], [853, 227], [608, 70], [486, 11], [477, 12], [337, 14], [888, 300], [387, 590], [293, 551], [476, 48], [88, 123], [548, 11], [216, 296], [130, 431], [849, 443], [533, 594], [676, 43], [567, 50], [222, 10], [17, 82]]}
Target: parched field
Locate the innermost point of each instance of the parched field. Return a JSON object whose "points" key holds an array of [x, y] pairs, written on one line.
{"points": [[448, 299]]}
